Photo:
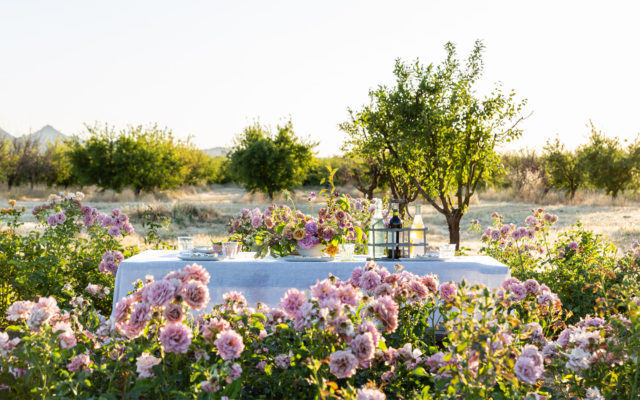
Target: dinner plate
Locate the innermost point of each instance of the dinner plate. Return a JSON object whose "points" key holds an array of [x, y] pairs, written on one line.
{"points": [[194, 256], [307, 259]]}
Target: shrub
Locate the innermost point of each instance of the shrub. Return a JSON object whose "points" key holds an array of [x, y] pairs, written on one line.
{"points": [[373, 334], [63, 259], [580, 266]]}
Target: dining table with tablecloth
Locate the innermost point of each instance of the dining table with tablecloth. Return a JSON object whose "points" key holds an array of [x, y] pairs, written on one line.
{"points": [[266, 280]]}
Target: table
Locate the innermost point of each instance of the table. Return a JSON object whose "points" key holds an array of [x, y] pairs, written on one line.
{"points": [[267, 280]]}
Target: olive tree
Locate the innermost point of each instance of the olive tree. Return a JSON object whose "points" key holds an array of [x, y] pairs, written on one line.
{"points": [[434, 129]]}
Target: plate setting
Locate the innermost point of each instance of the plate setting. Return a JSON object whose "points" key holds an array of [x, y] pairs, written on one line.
{"points": [[197, 256], [307, 259]]}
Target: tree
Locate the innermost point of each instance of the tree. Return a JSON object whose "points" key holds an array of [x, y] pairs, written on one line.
{"points": [[565, 169], [367, 174], [27, 164], [58, 165], [144, 158], [434, 129], [262, 161], [522, 167], [6, 159], [608, 165]]}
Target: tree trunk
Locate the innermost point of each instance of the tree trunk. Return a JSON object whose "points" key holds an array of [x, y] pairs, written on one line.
{"points": [[453, 222]]}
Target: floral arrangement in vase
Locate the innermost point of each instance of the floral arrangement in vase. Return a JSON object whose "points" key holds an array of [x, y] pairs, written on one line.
{"points": [[282, 230]]}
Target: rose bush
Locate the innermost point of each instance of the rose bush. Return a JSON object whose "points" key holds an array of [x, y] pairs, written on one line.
{"points": [[582, 267], [61, 258], [380, 334]]}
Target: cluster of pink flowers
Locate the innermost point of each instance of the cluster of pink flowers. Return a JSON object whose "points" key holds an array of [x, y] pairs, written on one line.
{"points": [[116, 224], [402, 286], [56, 219], [514, 291], [36, 314], [97, 290], [110, 261], [510, 235], [586, 344], [169, 296]]}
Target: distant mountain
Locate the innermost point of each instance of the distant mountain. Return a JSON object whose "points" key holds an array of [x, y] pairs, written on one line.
{"points": [[4, 135], [216, 151], [48, 134]]}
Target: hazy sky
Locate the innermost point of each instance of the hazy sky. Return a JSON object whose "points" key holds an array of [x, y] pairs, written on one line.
{"points": [[209, 68]]}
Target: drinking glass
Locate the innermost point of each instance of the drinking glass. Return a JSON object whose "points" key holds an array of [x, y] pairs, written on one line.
{"points": [[230, 249], [346, 251], [185, 243], [447, 250]]}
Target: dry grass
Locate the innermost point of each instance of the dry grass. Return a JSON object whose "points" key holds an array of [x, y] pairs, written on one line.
{"points": [[203, 212]]}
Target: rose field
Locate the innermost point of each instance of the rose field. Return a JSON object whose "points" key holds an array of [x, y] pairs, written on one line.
{"points": [[565, 325]]}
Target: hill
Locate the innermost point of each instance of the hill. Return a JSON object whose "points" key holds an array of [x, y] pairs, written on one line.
{"points": [[216, 151], [4, 135], [48, 134]]}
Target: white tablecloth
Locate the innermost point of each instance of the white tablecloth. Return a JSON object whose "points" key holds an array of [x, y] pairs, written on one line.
{"points": [[266, 280]]}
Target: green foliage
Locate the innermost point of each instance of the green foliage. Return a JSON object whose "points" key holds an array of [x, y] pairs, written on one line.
{"points": [[565, 168], [608, 165], [434, 134], [144, 158], [60, 260], [269, 163]]}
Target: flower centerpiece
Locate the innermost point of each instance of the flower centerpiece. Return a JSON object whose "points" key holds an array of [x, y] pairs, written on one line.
{"points": [[282, 230]]}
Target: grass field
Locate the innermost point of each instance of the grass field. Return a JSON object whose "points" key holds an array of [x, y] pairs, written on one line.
{"points": [[204, 212]]}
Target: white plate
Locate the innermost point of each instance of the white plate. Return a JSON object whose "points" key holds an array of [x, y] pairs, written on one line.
{"points": [[189, 256], [307, 259]]}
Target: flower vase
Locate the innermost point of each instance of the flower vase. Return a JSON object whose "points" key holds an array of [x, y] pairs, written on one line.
{"points": [[315, 251]]}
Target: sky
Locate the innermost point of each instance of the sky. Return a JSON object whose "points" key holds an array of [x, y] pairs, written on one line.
{"points": [[206, 69]]}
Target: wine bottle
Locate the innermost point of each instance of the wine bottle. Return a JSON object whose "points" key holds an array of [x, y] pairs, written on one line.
{"points": [[396, 223]]}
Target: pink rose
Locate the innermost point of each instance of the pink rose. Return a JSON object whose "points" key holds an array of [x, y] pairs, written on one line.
{"points": [[387, 311], [447, 291], [175, 338], [343, 363], [197, 273], [213, 327], [174, 313], [362, 347], [159, 293], [229, 344], [196, 295], [292, 301]]}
